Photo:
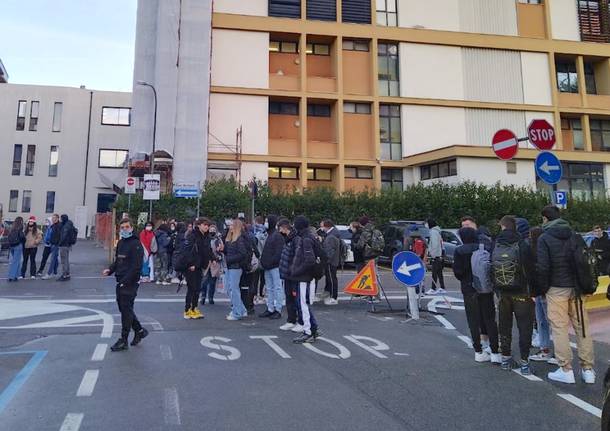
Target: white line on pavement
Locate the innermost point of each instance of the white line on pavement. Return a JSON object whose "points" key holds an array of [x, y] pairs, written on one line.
{"points": [[466, 340], [166, 352], [447, 324], [531, 377], [100, 352], [268, 339], [87, 385], [582, 404], [369, 349], [72, 422], [401, 354], [172, 407]]}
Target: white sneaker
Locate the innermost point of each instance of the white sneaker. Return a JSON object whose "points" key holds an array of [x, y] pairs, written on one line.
{"points": [[496, 358], [45, 277], [431, 292], [487, 350], [33, 277], [588, 376], [175, 280], [441, 290], [552, 361], [541, 356], [562, 376], [297, 328], [287, 326], [332, 301], [158, 282], [165, 283], [482, 357], [232, 318], [327, 301]]}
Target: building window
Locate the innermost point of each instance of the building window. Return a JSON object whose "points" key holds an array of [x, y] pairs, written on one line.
{"points": [[57, 114], [389, 131], [438, 170], [113, 159], [357, 172], [593, 20], [284, 108], [30, 158], [319, 174], [391, 179], [283, 172], [600, 135], [356, 108], [284, 8], [581, 180], [17, 153], [116, 116], [531, 1], [21, 108], [53, 160], [590, 78], [356, 11], [50, 203], [314, 110], [386, 13], [324, 10], [571, 129], [284, 47], [388, 69], [105, 202], [12, 202], [317, 49], [26, 201], [511, 168], [34, 111], [567, 78], [355, 45]]}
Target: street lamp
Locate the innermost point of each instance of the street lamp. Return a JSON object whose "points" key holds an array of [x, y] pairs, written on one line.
{"points": [[152, 154]]}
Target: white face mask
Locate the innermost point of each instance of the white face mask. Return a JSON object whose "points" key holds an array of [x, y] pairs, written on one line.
{"points": [[266, 225], [149, 228]]}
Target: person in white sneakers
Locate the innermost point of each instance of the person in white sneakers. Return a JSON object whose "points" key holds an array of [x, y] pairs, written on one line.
{"points": [[294, 321], [435, 250], [334, 247], [556, 273]]}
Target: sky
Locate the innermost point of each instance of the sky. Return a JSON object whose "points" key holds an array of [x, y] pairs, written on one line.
{"points": [[69, 42]]}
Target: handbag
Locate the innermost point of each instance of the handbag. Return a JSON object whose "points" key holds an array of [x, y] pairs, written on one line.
{"points": [[220, 283]]}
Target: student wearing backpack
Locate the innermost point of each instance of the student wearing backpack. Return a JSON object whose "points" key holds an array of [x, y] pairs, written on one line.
{"points": [[356, 230], [371, 244], [435, 249], [270, 263], [479, 305], [558, 273], [68, 235], [162, 236], [16, 239], [512, 275], [247, 281], [335, 250]]}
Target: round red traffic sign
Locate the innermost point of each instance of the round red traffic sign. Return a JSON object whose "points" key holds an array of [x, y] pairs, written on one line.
{"points": [[505, 144], [131, 181], [541, 134]]}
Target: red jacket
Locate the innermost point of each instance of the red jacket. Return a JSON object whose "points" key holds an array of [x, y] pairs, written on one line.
{"points": [[146, 238]]}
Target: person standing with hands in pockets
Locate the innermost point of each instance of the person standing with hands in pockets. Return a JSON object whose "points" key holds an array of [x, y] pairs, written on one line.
{"points": [[127, 267]]}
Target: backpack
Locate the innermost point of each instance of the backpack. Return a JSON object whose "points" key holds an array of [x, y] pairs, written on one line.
{"points": [[376, 245], [584, 265], [250, 260], [261, 239], [183, 256], [342, 252], [419, 247], [480, 263], [506, 267], [72, 235], [321, 260]]}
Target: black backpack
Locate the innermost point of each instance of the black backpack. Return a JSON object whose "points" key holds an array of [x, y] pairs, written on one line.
{"points": [[319, 268], [584, 265], [72, 235], [183, 256]]}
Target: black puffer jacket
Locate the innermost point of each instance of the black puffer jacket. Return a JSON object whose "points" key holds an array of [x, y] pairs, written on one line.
{"points": [[287, 255], [601, 246], [272, 251], [554, 261], [461, 259], [236, 253], [202, 252]]}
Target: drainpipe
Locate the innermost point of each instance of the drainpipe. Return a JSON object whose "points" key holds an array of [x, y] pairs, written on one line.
{"points": [[88, 145]]}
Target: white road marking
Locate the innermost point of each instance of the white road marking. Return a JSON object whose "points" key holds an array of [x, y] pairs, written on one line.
{"points": [[60, 323], [582, 404], [466, 340], [401, 354], [72, 422], [373, 350], [343, 352], [100, 352], [531, 377], [166, 352], [171, 407], [447, 324], [87, 385], [268, 339]]}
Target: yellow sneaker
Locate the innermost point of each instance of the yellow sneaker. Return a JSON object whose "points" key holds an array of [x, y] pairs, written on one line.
{"points": [[188, 314], [196, 314]]}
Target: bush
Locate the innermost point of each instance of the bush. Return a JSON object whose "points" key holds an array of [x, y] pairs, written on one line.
{"points": [[447, 204]]}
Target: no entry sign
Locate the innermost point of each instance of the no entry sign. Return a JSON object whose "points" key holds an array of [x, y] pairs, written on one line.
{"points": [[541, 134], [505, 144]]}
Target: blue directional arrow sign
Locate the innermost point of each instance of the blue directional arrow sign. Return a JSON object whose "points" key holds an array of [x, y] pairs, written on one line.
{"points": [[408, 268], [548, 167], [186, 193]]}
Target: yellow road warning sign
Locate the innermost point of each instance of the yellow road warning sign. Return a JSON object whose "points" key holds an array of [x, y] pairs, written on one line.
{"points": [[365, 283]]}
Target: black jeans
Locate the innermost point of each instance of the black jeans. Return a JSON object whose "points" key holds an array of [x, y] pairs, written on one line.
{"points": [[125, 298], [479, 308], [290, 289], [437, 273], [193, 287], [45, 255], [29, 253], [332, 283], [524, 310]]}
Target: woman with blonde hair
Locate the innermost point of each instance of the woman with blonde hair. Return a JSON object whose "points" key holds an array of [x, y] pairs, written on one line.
{"points": [[236, 258]]}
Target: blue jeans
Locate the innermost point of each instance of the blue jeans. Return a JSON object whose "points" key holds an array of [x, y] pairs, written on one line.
{"points": [[54, 260], [544, 329], [14, 267], [232, 277], [275, 290], [208, 287]]}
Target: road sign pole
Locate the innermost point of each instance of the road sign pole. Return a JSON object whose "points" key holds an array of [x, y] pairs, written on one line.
{"points": [[128, 203]]}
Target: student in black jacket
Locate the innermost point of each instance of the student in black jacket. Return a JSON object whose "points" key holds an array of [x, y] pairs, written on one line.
{"points": [[197, 245], [601, 246], [126, 268], [270, 262]]}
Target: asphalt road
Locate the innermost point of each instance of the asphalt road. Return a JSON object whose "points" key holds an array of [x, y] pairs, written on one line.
{"points": [[368, 371]]}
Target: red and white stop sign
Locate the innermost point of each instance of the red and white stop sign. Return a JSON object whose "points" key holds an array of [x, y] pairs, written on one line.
{"points": [[131, 181], [505, 144], [541, 134]]}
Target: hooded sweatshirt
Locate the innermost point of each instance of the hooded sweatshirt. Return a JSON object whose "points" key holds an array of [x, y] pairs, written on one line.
{"points": [[461, 259], [435, 246], [554, 265]]}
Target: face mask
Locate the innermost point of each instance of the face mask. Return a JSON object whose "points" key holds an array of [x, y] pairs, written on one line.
{"points": [[126, 233], [149, 228], [266, 225], [173, 228]]}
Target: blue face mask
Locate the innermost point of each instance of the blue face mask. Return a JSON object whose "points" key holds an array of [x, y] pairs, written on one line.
{"points": [[126, 233]]}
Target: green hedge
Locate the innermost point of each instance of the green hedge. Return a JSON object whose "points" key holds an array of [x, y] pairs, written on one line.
{"points": [[445, 203]]}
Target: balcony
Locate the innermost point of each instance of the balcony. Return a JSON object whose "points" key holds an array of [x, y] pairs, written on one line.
{"points": [[284, 62], [321, 65], [284, 128], [321, 131], [357, 67], [358, 131]]}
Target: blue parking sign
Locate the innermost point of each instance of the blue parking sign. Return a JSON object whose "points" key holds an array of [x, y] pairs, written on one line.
{"points": [[561, 197]]}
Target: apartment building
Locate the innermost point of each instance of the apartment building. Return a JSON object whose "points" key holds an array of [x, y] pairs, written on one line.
{"points": [[360, 94], [65, 151]]}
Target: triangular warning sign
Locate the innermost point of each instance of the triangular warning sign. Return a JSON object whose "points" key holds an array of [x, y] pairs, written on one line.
{"points": [[365, 283]]}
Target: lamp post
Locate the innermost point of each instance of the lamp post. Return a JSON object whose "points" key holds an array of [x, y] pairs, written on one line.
{"points": [[152, 154]]}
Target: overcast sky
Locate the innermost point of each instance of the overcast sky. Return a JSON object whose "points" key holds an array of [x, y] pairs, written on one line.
{"points": [[69, 42]]}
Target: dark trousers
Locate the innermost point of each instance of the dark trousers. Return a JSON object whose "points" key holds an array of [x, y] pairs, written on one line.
{"points": [[260, 282], [125, 298], [524, 310], [332, 283], [290, 290], [208, 287], [479, 308], [29, 254], [193, 287], [45, 256], [437, 273]]}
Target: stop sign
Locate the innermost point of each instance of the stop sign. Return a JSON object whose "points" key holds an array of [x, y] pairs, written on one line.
{"points": [[131, 181], [505, 144], [541, 134]]}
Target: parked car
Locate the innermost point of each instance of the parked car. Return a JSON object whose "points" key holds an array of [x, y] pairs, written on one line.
{"points": [[606, 408], [451, 241], [396, 233], [346, 236]]}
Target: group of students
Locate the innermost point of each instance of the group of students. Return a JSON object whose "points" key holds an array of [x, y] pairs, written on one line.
{"points": [[24, 239], [533, 275]]}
